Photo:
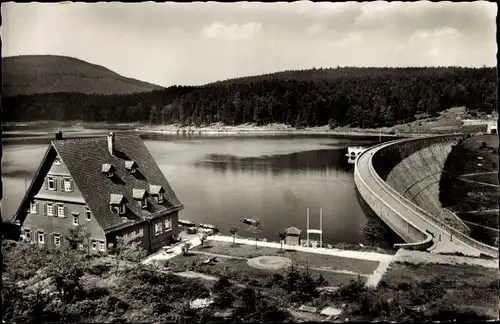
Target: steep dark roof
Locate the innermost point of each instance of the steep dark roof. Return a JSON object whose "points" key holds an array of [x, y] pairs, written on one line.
{"points": [[84, 158]]}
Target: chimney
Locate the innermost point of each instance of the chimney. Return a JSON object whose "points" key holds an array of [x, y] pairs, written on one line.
{"points": [[111, 143], [59, 135]]}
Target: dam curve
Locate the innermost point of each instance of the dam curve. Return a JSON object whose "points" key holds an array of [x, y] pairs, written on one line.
{"points": [[399, 181]]}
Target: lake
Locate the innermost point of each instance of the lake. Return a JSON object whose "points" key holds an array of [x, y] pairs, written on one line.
{"points": [[223, 178]]}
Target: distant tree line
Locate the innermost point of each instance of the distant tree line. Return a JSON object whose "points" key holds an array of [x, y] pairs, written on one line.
{"points": [[356, 97]]}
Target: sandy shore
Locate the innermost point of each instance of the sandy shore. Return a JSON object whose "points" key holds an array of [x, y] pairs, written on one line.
{"points": [[266, 129]]}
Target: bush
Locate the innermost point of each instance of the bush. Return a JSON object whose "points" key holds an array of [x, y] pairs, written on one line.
{"points": [[353, 290], [222, 284]]}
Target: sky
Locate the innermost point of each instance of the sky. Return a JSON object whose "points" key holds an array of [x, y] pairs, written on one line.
{"points": [[202, 42]]}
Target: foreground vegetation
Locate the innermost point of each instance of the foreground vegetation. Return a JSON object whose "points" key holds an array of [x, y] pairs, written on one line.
{"points": [[67, 285], [356, 97]]}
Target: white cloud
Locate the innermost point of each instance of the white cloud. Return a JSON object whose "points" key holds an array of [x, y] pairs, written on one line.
{"points": [[232, 32], [311, 30]]}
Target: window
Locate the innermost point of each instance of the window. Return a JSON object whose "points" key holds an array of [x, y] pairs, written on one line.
{"points": [[41, 238], [60, 211], [75, 220], [159, 198], [80, 246], [94, 245], [168, 224], [57, 239], [115, 209], [101, 246], [57, 161], [144, 203], [51, 183], [141, 232], [87, 213], [67, 185], [110, 174], [50, 209], [122, 208], [132, 170], [158, 229], [34, 207], [27, 235]]}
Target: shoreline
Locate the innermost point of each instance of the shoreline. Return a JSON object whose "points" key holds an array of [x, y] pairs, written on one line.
{"points": [[270, 129]]}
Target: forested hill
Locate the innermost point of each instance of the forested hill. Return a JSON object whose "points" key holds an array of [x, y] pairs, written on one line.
{"points": [[36, 74], [360, 97]]}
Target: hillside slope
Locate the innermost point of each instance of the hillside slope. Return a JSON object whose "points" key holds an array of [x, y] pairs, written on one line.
{"points": [[35, 74]]}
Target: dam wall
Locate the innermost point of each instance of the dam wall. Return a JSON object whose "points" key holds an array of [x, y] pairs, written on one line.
{"points": [[416, 177], [399, 180]]}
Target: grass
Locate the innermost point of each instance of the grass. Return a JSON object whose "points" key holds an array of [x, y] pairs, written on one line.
{"points": [[416, 292], [327, 262], [239, 270], [466, 287]]}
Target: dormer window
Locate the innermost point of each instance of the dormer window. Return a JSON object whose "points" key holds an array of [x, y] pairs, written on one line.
{"points": [[131, 166], [141, 196], [117, 204], [157, 192], [108, 170]]}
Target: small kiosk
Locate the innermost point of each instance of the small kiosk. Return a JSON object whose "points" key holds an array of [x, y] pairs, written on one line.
{"points": [[292, 236]]}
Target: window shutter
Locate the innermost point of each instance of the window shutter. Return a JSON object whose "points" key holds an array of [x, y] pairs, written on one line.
{"points": [[45, 209], [46, 182], [36, 207], [51, 243], [62, 184], [71, 184], [55, 184], [65, 211]]}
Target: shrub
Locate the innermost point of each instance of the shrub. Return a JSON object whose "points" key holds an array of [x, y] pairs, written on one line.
{"points": [[353, 290], [221, 284]]}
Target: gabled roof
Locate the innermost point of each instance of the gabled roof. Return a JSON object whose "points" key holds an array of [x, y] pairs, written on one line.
{"points": [[107, 167], [84, 158], [130, 164], [155, 190], [115, 199], [293, 231], [138, 193]]}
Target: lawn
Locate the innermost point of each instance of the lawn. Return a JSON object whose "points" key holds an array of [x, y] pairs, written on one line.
{"points": [[238, 270], [463, 287], [327, 262]]}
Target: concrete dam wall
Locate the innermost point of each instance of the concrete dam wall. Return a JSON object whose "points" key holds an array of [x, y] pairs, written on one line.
{"points": [[416, 177], [400, 182]]}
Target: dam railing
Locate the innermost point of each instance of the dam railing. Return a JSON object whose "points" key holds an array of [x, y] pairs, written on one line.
{"points": [[429, 218]]}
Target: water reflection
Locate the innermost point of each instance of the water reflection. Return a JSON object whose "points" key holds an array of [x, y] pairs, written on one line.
{"points": [[317, 160]]}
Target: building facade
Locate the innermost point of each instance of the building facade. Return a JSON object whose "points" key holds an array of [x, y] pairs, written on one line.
{"points": [[110, 186]]}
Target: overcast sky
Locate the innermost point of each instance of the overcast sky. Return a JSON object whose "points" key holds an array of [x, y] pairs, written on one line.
{"points": [[198, 43]]}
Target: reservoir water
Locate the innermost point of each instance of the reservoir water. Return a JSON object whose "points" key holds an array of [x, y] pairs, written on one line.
{"points": [[222, 179]]}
